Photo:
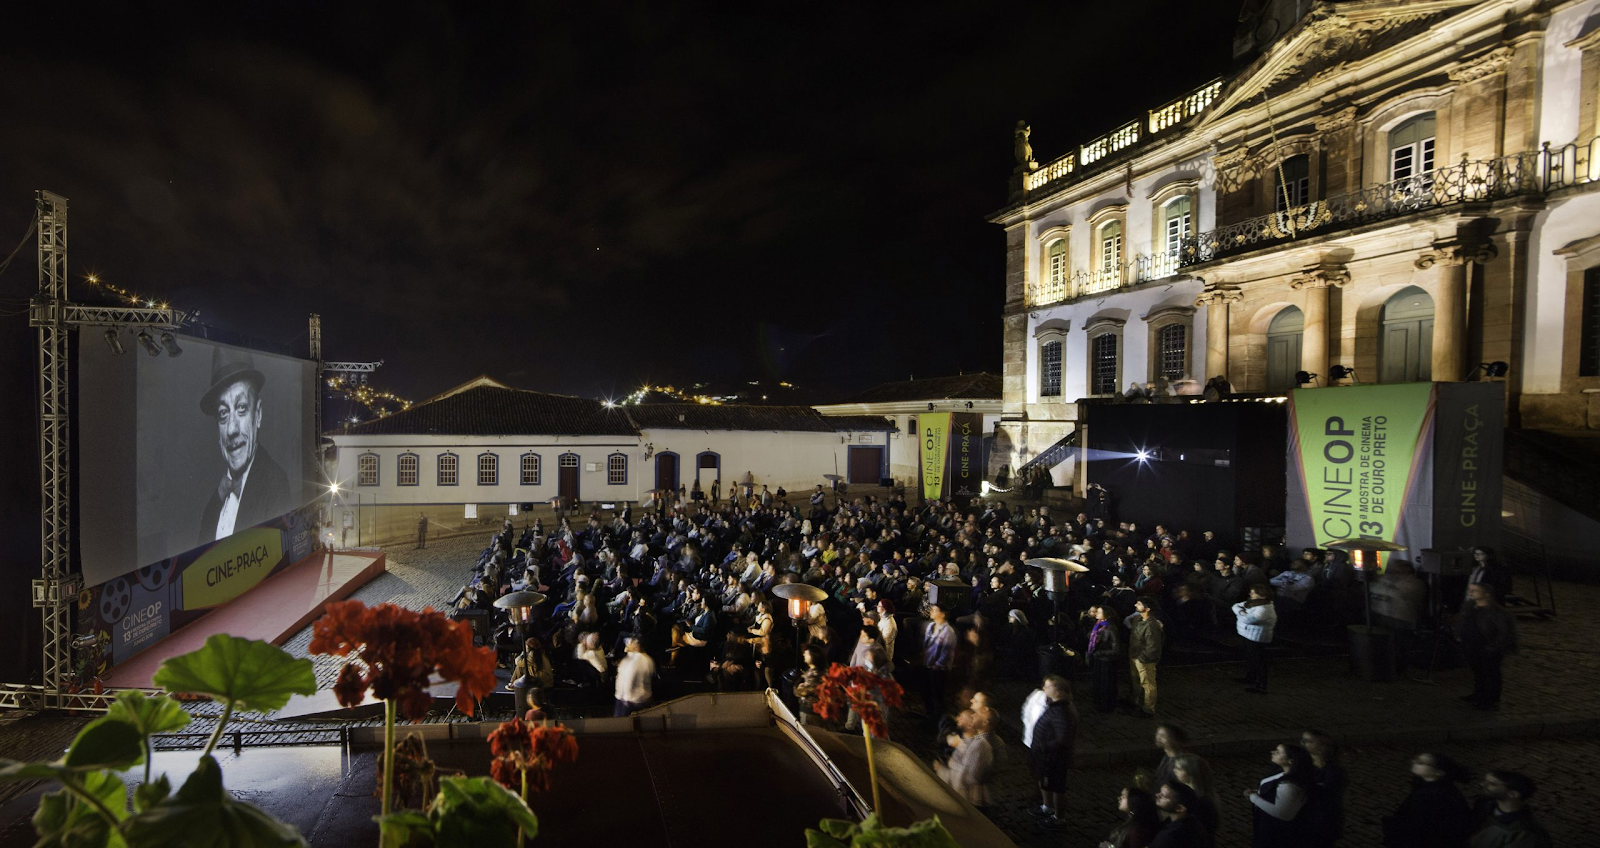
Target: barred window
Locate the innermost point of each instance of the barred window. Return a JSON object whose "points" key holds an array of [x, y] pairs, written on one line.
{"points": [[1172, 350], [367, 469], [488, 469], [406, 469], [1589, 331], [617, 469], [530, 469], [569, 460], [1103, 364], [1050, 369], [448, 463]]}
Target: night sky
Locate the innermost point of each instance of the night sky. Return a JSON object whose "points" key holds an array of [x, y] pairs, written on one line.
{"points": [[568, 197], [574, 199]]}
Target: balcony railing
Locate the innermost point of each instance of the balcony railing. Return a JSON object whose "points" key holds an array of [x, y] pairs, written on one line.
{"points": [[1128, 135], [1468, 182], [1139, 269]]}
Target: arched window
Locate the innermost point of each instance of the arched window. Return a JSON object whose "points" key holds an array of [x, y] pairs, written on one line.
{"points": [[1050, 369], [1283, 348], [1177, 221], [488, 469], [406, 469], [617, 469], [1411, 147], [449, 466], [1103, 363], [1110, 245], [1055, 273], [1405, 346], [1293, 182], [530, 469], [367, 469]]}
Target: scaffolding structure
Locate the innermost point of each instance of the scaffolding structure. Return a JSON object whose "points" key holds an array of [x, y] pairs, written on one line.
{"points": [[56, 590]]}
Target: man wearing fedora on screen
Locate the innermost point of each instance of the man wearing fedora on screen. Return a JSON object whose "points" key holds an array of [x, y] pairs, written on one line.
{"points": [[253, 488]]}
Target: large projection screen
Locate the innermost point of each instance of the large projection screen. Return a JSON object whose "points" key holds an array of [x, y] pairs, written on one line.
{"points": [[177, 452]]}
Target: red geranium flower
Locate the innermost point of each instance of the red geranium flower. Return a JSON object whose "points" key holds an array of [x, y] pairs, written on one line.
{"points": [[847, 687], [393, 650], [520, 746]]}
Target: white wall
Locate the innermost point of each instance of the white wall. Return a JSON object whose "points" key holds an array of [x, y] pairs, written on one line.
{"points": [[1571, 220], [1560, 90], [795, 461], [592, 485], [1135, 335]]}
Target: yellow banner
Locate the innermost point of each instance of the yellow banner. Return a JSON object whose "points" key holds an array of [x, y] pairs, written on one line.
{"points": [[232, 567], [935, 428]]}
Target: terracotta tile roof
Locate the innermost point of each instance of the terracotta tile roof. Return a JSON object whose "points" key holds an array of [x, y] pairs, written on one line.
{"points": [[487, 408], [982, 385], [789, 419]]}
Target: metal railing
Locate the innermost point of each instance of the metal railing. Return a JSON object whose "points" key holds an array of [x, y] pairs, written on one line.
{"points": [[1139, 269], [1519, 174]]}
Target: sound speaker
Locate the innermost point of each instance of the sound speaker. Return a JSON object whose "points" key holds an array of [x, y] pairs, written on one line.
{"points": [[1455, 563]]}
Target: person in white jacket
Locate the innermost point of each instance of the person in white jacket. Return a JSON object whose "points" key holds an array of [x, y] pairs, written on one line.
{"points": [[1256, 619]]}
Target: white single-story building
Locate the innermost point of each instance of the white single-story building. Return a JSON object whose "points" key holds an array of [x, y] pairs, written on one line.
{"points": [[487, 443]]}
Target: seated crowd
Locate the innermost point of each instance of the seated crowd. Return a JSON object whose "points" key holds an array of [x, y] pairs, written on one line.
{"points": [[937, 597]]}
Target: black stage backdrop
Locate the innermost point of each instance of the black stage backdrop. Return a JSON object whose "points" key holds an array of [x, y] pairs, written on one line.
{"points": [[1209, 466]]}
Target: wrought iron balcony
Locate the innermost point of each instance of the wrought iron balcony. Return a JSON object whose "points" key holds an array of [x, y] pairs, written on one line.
{"points": [[1519, 174], [1139, 269]]}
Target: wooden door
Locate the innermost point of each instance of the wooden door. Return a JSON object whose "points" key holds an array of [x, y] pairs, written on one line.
{"points": [[567, 487], [667, 472], [866, 465], [1283, 360]]}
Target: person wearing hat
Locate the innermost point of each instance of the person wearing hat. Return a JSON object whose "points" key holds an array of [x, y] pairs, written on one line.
{"points": [[253, 488]]}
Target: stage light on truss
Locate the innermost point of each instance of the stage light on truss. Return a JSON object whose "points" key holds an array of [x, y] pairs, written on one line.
{"points": [[170, 342], [1142, 455], [149, 343], [114, 341]]}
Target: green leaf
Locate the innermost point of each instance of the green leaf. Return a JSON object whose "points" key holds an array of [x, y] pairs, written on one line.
{"points": [[479, 811], [64, 820], [250, 674], [148, 795], [158, 714], [929, 833], [818, 839], [105, 743], [202, 815], [839, 828], [398, 829]]}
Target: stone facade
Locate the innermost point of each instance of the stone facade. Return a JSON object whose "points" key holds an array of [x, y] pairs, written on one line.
{"points": [[1414, 179]]}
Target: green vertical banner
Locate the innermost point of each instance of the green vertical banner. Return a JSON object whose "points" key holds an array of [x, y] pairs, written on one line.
{"points": [[1355, 450], [935, 427]]}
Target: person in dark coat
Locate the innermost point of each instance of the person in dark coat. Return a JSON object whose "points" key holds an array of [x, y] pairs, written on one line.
{"points": [[1282, 801], [1330, 780], [1488, 570], [1105, 652], [1054, 737], [1487, 633], [1435, 814]]}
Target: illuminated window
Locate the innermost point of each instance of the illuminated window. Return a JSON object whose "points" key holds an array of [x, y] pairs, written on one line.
{"points": [[367, 469], [448, 464], [406, 469], [617, 469], [1293, 183], [1103, 364], [1172, 350], [1111, 246], [1179, 221], [488, 469], [530, 469], [1411, 147], [1050, 369]]}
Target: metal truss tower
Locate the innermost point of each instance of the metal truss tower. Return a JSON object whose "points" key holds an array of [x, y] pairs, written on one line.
{"points": [[56, 590]]}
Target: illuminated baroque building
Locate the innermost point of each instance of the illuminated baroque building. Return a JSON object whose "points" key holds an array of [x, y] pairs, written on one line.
{"points": [[1402, 188]]}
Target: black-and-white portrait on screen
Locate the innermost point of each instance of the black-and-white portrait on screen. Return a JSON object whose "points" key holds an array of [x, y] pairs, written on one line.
{"points": [[252, 486]]}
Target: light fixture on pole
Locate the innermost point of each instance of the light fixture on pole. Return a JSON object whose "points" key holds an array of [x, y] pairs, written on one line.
{"points": [[521, 605], [114, 340], [800, 597]]}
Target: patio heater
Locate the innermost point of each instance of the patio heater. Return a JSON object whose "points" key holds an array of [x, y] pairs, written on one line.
{"points": [[1371, 648]]}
